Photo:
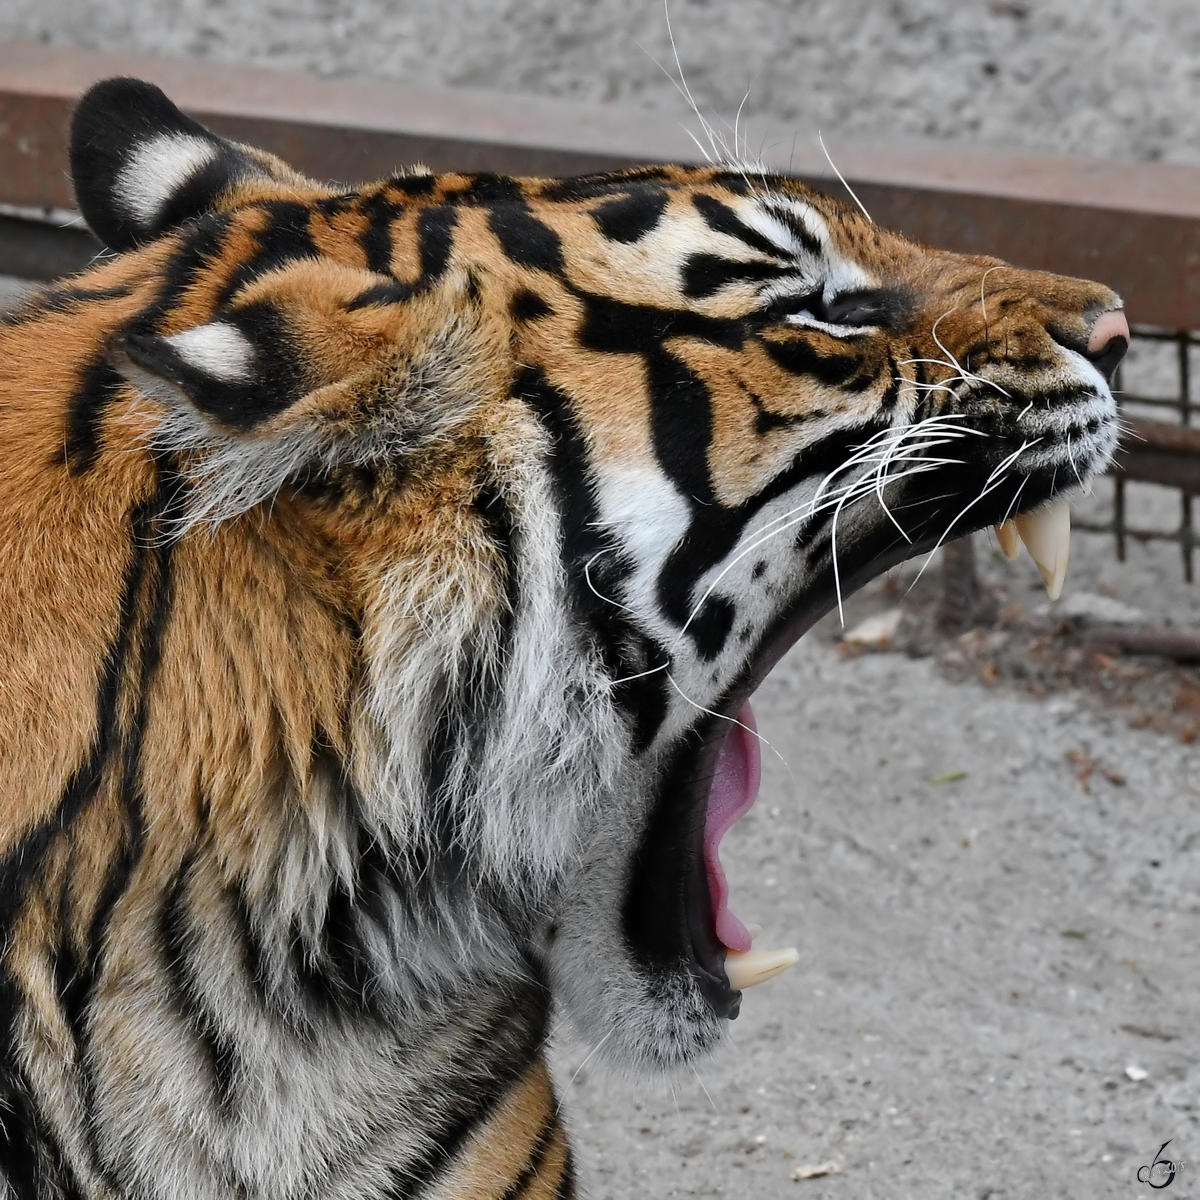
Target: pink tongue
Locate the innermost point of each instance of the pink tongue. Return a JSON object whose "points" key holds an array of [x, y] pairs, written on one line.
{"points": [[735, 786]]}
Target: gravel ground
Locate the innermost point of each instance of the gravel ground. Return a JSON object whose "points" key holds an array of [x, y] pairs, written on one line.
{"points": [[981, 959], [998, 978], [1112, 77]]}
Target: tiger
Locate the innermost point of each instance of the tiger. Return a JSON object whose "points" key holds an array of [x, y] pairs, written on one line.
{"points": [[386, 573]]}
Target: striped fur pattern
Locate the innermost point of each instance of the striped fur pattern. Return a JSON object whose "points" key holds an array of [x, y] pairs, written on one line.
{"points": [[380, 567]]}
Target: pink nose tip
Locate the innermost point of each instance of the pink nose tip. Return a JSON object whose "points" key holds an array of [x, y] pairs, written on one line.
{"points": [[1111, 325], [1108, 342]]}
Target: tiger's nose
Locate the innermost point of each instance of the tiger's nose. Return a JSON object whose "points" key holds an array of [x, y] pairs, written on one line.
{"points": [[1107, 342]]}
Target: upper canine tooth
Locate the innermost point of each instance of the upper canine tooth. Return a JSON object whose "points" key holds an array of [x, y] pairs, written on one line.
{"points": [[1010, 542], [1047, 536], [745, 968]]}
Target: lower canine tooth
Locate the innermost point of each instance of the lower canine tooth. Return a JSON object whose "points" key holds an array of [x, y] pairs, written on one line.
{"points": [[1047, 536], [746, 968], [1010, 542]]}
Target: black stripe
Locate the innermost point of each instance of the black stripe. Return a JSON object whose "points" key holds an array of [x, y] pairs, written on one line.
{"points": [[99, 383], [739, 183], [722, 219], [526, 240], [341, 975], [435, 241], [799, 230], [714, 530], [566, 1185], [798, 356], [97, 387], [706, 274], [486, 189], [591, 187], [112, 748], [468, 716], [286, 238], [60, 298], [253, 955], [199, 249], [617, 328], [528, 306], [177, 941], [477, 1079], [412, 185], [25, 860], [537, 1156], [196, 250], [766, 420], [151, 639], [32, 1164], [681, 424], [336, 206], [891, 394], [629, 218], [596, 565], [155, 611], [501, 524], [711, 626], [376, 238]]}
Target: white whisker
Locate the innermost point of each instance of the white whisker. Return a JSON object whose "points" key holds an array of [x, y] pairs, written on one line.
{"points": [[723, 717], [703, 1088], [882, 449], [853, 196], [587, 575], [642, 674], [579, 1068]]}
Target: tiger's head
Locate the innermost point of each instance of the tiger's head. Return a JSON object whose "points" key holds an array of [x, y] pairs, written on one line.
{"points": [[574, 462]]}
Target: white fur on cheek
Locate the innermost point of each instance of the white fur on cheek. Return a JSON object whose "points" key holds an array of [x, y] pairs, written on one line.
{"points": [[219, 350], [155, 171]]}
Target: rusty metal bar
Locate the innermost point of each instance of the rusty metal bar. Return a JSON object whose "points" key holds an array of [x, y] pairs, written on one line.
{"points": [[43, 249], [1156, 452], [1136, 227]]}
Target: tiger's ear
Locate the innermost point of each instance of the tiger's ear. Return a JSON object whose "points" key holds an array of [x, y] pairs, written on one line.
{"points": [[238, 372], [141, 167], [321, 353]]}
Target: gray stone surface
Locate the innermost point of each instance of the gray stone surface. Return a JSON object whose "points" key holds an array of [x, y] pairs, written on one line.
{"points": [[982, 958], [1111, 77]]}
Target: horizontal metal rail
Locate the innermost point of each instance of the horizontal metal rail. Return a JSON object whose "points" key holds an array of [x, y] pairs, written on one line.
{"points": [[1133, 226]]}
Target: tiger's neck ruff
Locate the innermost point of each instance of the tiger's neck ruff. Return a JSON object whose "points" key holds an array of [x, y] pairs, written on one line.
{"points": [[383, 570]]}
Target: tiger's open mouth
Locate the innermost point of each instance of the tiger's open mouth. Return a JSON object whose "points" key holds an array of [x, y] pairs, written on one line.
{"points": [[678, 904], [1006, 466], [734, 789]]}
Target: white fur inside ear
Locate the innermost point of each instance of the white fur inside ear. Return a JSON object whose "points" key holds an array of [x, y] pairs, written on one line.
{"points": [[220, 350], [156, 170]]}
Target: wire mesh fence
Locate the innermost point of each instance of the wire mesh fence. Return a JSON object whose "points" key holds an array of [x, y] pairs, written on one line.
{"points": [[1161, 443]]}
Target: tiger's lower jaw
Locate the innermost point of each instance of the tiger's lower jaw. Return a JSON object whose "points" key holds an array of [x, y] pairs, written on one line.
{"points": [[658, 924]]}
